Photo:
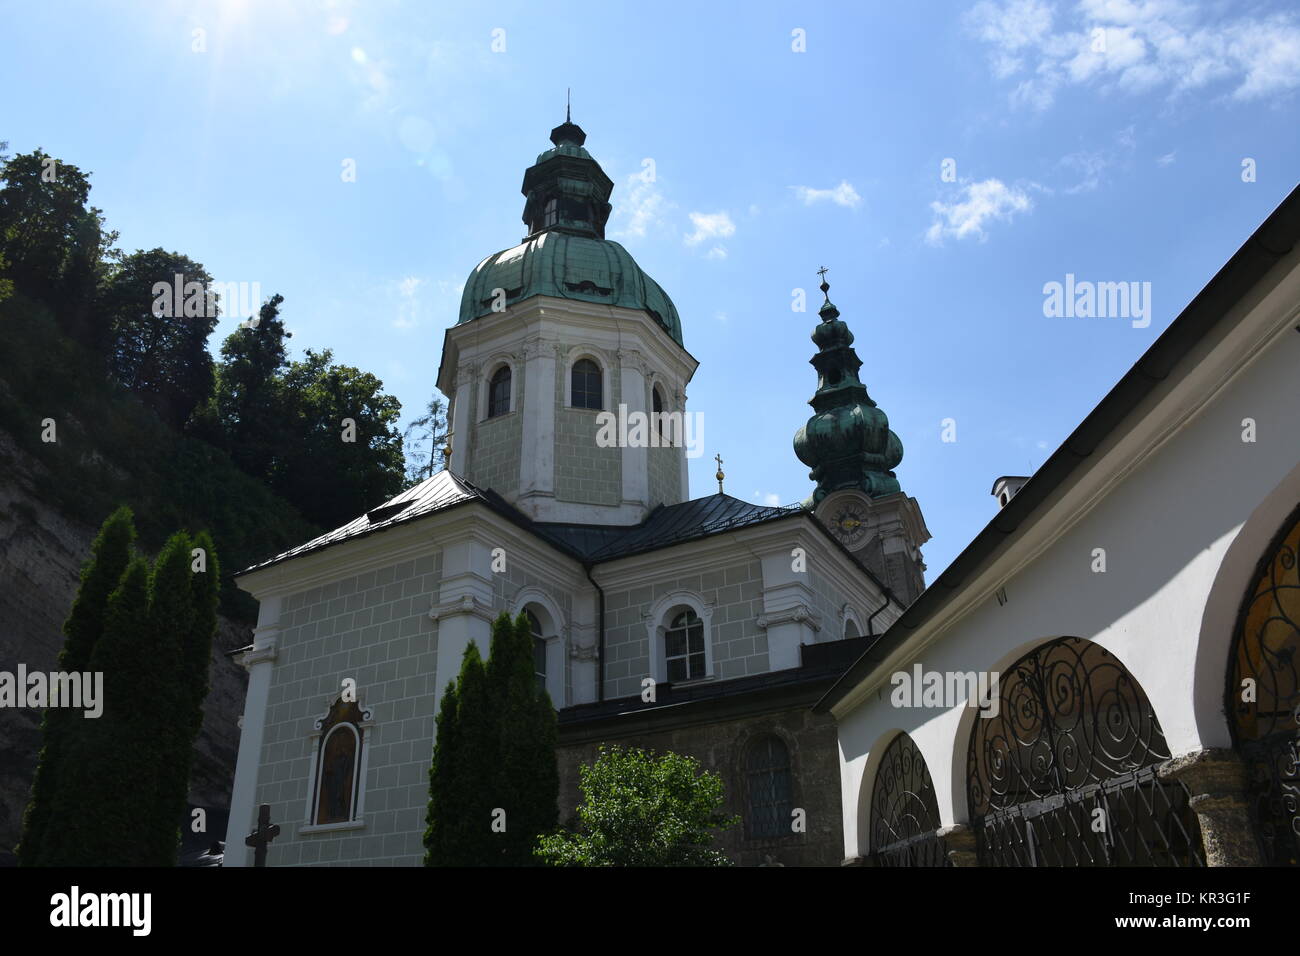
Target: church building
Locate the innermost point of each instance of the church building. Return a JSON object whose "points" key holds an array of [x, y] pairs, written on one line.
{"points": [[705, 626]]}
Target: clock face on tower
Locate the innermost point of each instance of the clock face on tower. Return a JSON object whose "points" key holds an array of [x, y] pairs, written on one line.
{"points": [[848, 523]]}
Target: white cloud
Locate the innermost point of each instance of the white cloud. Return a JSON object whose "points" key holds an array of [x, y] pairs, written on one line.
{"points": [[979, 204], [408, 303], [717, 252], [1091, 165], [1167, 159], [842, 195], [712, 225], [1135, 46], [720, 316], [772, 499], [641, 209]]}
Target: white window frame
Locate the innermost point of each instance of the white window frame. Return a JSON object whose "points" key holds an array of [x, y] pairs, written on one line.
{"points": [[365, 741], [535, 599], [485, 387], [606, 378], [658, 620]]}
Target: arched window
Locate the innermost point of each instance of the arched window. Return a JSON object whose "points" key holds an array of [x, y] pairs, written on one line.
{"points": [[1074, 739], [1266, 659], [684, 647], [586, 385], [657, 404], [337, 784], [851, 628], [539, 649], [768, 788], [499, 392]]}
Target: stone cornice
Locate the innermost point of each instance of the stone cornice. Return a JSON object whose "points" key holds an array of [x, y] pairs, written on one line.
{"points": [[798, 614], [465, 604]]}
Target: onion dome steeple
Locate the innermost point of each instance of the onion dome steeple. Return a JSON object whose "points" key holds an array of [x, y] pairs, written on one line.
{"points": [[566, 190], [565, 254], [847, 443]]}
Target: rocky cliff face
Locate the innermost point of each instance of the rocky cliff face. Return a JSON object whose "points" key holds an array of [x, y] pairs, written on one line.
{"points": [[41, 554]]}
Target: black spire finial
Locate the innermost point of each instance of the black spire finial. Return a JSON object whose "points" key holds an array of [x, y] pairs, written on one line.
{"points": [[825, 286], [568, 131]]}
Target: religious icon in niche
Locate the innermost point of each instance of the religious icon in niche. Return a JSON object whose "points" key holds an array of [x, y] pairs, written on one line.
{"points": [[338, 762]]}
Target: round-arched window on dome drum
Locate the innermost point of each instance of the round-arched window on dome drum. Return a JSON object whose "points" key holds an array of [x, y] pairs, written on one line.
{"points": [[499, 392], [1263, 696], [586, 385]]}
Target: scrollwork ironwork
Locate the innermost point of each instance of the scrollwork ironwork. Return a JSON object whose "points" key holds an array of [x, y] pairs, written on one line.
{"points": [[904, 809], [1263, 695]]}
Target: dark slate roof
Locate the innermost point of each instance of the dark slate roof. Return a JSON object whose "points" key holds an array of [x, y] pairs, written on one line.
{"points": [[819, 664], [666, 525], [590, 544], [442, 491]]}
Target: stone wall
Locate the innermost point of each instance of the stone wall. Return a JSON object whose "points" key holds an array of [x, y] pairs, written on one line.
{"points": [[494, 455], [720, 747], [584, 472]]}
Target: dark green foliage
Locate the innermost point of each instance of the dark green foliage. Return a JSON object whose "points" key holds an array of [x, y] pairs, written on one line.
{"points": [[123, 779], [495, 753], [111, 450], [158, 348], [527, 781], [440, 830], [52, 245], [643, 810], [332, 480], [109, 778], [109, 555], [247, 407], [164, 691]]}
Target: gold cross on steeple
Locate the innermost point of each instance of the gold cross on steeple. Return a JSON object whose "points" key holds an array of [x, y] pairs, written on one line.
{"points": [[719, 475]]}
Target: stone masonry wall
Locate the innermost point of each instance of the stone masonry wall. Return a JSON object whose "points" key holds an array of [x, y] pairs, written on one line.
{"points": [[372, 627], [584, 472]]}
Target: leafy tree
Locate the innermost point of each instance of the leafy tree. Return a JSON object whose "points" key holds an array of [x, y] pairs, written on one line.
{"points": [[329, 478], [109, 555], [494, 754], [51, 243], [429, 430], [643, 810], [158, 348], [248, 403]]}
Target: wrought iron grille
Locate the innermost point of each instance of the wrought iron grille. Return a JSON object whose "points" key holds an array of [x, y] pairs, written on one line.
{"points": [[767, 770], [904, 810], [1264, 696], [1074, 733], [1142, 822]]}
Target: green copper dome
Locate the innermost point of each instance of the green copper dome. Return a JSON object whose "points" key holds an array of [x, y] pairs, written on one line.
{"points": [[847, 443], [566, 254]]}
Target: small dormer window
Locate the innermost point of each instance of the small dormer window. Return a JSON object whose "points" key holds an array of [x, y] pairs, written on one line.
{"points": [[551, 215]]}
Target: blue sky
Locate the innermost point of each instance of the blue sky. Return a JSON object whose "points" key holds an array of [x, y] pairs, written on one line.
{"points": [[1100, 139]]}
